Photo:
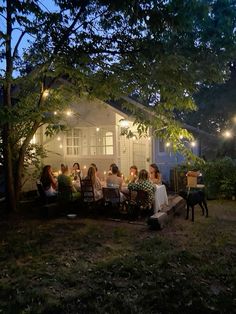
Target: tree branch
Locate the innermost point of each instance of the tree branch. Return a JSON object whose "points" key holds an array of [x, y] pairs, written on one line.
{"points": [[18, 43]]}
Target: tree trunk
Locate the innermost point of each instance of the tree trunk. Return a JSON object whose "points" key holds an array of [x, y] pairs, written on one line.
{"points": [[6, 134], [20, 161]]}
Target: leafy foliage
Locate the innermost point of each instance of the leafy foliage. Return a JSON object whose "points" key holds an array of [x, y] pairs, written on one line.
{"points": [[160, 52]]}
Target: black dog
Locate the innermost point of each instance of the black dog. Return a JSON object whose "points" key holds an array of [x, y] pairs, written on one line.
{"points": [[193, 198]]}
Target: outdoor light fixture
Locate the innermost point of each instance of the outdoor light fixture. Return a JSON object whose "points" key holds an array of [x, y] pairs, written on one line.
{"points": [[124, 123]]}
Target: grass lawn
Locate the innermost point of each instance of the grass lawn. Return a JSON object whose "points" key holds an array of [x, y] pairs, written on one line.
{"points": [[93, 266]]}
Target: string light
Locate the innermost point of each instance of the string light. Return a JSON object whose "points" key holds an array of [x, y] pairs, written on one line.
{"points": [[193, 144], [55, 113], [97, 129], [227, 134], [58, 138], [68, 113], [181, 137], [61, 146], [168, 144]]}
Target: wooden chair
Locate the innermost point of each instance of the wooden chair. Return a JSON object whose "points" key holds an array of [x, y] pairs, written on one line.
{"points": [[138, 204], [87, 192], [111, 196]]}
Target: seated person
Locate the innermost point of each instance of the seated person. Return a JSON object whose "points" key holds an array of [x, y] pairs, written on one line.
{"points": [[133, 174], [118, 172], [144, 184], [48, 181], [96, 170], [154, 174], [76, 172], [113, 180], [65, 185], [97, 186]]}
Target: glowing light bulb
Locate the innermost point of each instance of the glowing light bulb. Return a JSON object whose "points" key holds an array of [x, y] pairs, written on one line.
{"points": [[68, 113]]}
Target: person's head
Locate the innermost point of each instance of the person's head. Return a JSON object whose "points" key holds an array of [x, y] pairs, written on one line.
{"points": [[114, 169], [76, 166], [65, 170], [154, 171], [112, 166], [46, 170], [133, 170], [94, 166], [91, 174], [46, 173], [143, 175], [62, 167]]}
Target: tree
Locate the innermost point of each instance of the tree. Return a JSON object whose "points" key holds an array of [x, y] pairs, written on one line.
{"points": [[158, 51]]}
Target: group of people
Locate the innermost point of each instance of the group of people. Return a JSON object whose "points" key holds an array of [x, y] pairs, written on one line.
{"points": [[137, 180]]}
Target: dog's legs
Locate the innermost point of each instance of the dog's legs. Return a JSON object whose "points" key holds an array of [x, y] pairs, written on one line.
{"points": [[192, 213], [200, 204], [205, 204], [187, 211]]}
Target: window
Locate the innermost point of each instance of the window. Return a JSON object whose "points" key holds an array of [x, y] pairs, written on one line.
{"points": [[161, 146], [73, 141], [89, 142]]}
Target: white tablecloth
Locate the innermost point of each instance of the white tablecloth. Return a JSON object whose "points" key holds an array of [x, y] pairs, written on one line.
{"points": [[160, 197]]}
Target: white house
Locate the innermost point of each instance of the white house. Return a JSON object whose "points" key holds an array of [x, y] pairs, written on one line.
{"points": [[93, 136]]}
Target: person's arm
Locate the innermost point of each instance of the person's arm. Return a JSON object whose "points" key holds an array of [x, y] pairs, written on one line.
{"points": [[53, 181]]}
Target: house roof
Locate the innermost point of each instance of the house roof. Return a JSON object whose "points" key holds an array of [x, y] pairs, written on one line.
{"points": [[118, 106]]}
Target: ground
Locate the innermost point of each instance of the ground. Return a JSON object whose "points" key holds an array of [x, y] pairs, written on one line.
{"points": [[100, 266]]}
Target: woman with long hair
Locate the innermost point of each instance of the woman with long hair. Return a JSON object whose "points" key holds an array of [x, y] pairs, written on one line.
{"points": [[154, 174], [97, 186], [49, 183]]}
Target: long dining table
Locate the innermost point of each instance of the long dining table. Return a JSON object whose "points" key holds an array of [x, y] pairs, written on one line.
{"points": [[160, 197]]}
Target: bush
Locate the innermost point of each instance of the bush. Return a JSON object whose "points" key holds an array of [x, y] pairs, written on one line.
{"points": [[220, 178]]}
